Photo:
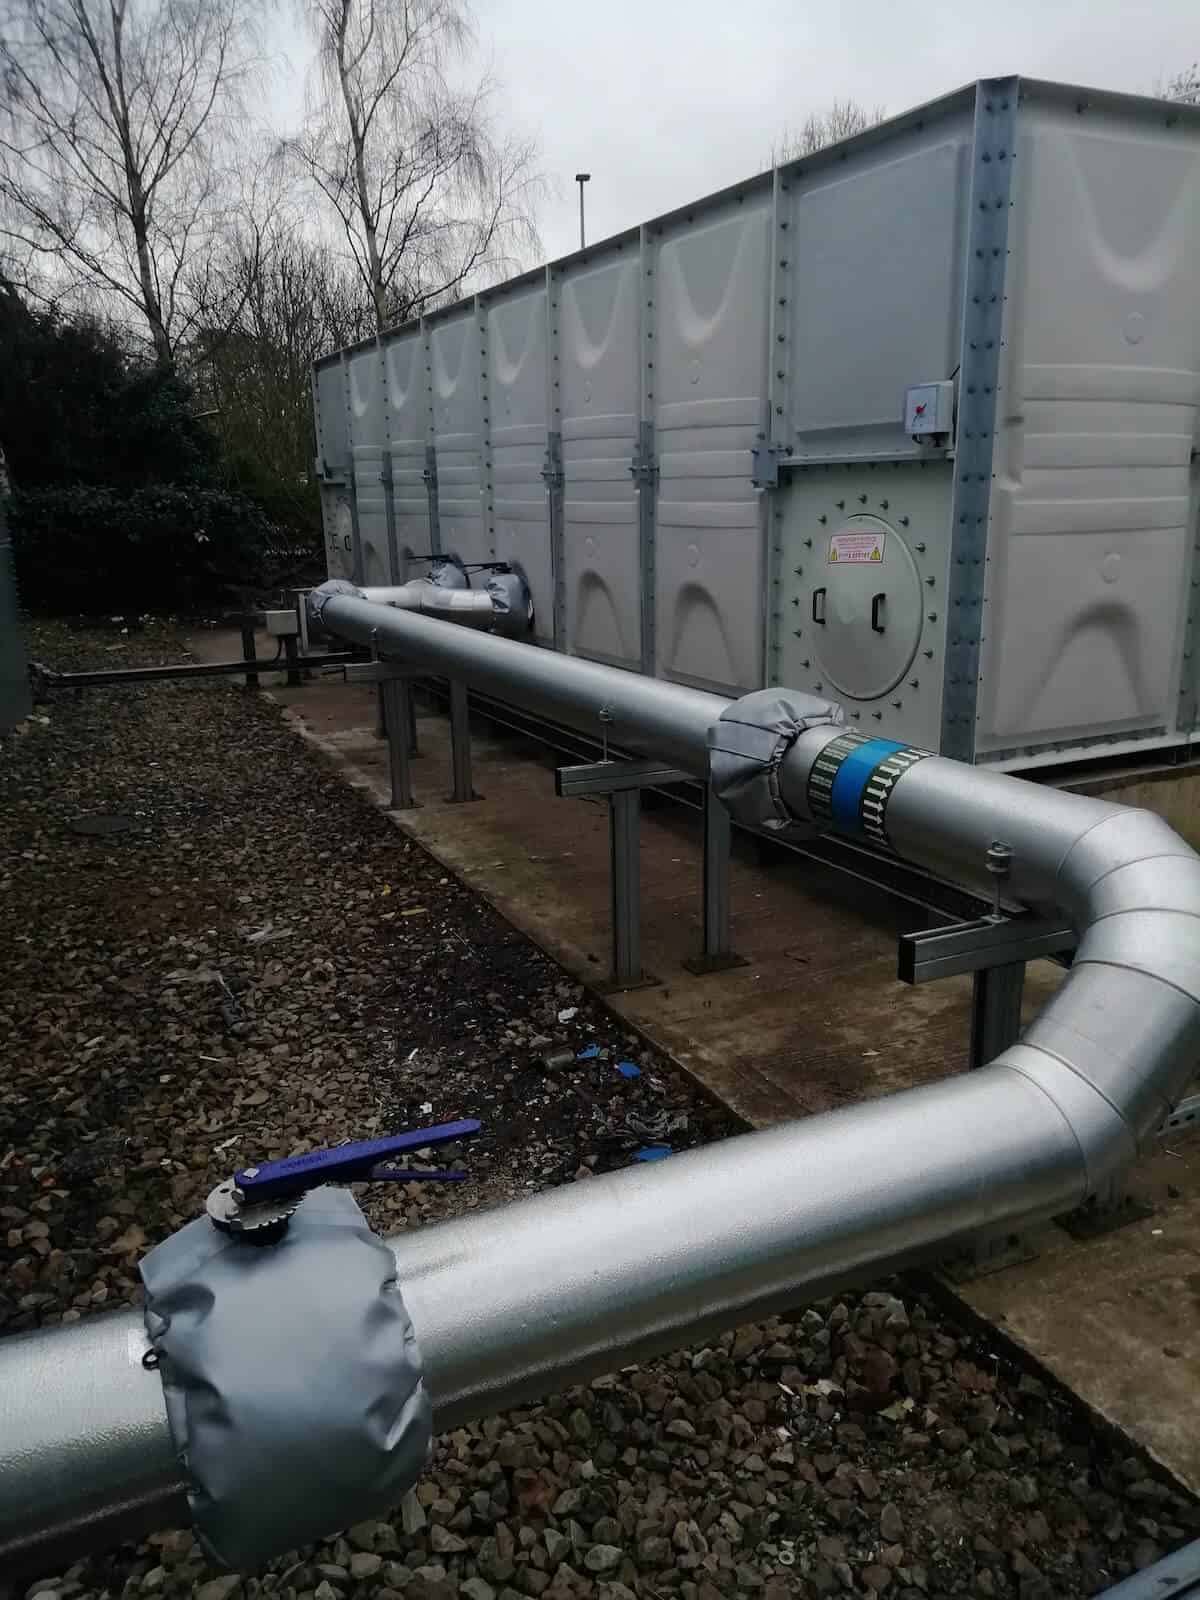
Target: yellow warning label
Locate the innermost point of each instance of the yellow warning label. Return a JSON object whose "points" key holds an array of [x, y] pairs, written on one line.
{"points": [[853, 548]]}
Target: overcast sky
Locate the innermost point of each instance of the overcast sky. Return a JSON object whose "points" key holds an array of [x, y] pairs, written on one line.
{"points": [[663, 101]]}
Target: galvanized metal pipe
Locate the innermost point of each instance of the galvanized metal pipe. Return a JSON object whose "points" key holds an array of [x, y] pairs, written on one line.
{"points": [[86, 1458], [472, 607], [642, 714], [512, 1303], [1175, 1577], [1117, 1045]]}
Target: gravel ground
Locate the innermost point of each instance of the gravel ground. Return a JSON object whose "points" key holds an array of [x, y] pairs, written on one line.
{"points": [[262, 964]]}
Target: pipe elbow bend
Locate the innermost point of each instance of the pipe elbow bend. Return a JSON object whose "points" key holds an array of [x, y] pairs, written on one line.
{"points": [[1105, 1139]]}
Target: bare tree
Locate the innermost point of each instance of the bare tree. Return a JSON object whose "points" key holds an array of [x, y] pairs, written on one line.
{"points": [[426, 190], [115, 114], [841, 120], [1184, 86], [277, 303]]}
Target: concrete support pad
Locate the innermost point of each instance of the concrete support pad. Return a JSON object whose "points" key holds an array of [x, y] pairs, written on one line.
{"points": [[1118, 1318]]}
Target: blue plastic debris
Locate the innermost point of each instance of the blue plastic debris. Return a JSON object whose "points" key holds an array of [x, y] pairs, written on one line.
{"points": [[589, 1054], [628, 1070], [654, 1152]]}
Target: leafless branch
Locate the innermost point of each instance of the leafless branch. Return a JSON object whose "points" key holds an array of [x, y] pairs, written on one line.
{"points": [[428, 195], [842, 119], [115, 143]]}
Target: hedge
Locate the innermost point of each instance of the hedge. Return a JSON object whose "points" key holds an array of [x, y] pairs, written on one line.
{"points": [[162, 548]]}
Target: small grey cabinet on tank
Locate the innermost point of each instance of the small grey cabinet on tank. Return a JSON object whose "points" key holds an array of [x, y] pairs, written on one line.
{"points": [[863, 564]]}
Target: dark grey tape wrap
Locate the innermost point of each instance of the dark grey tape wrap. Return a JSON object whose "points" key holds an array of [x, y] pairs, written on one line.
{"points": [[326, 591], [292, 1378], [746, 745], [448, 575], [512, 603]]}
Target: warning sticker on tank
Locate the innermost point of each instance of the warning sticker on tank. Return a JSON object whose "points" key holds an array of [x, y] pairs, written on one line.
{"points": [[852, 549]]}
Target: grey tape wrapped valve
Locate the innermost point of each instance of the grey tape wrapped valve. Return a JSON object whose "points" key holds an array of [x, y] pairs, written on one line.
{"points": [[327, 591], [448, 574], [748, 742], [512, 604], [292, 1378]]}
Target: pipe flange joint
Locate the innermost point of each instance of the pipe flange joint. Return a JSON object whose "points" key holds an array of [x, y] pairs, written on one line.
{"points": [[747, 745]]}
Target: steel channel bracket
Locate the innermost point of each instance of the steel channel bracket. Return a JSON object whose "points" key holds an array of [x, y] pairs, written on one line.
{"points": [[1185, 1115], [381, 672], [977, 946], [1104, 1214], [622, 782], [717, 954], [610, 777], [462, 789], [397, 724], [987, 1255]]}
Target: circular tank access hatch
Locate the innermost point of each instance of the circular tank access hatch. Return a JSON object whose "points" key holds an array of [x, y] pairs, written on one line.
{"points": [[866, 607]]}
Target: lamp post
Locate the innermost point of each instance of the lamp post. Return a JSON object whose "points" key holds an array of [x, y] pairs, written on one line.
{"points": [[581, 178]]}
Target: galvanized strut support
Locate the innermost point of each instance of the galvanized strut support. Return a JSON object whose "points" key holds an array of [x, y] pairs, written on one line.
{"points": [[399, 722], [460, 745], [994, 950], [717, 954], [622, 782], [510, 1304]]}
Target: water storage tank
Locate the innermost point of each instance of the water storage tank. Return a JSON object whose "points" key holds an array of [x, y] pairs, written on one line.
{"points": [[910, 422]]}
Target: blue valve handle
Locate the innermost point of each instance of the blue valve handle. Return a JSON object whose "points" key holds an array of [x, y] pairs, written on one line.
{"points": [[345, 1163]]}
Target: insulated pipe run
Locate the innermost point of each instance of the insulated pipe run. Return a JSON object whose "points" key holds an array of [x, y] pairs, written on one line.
{"points": [[638, 713], [503, 605], [1117, 1045], [470, 606], [512, 1303]]}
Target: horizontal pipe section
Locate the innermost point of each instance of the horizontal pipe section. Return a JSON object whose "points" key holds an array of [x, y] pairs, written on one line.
{"points": [[516, 1301], [1175, 1577], [641, 714], [86, 1458], [472, 607], [512, 1303]]}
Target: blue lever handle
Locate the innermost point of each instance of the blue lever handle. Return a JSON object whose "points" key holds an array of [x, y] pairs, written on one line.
{"points": [[345, 1163]]}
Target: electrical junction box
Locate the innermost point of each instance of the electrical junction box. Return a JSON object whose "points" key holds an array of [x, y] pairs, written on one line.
{"points": [[281, 624], [929, 410]]}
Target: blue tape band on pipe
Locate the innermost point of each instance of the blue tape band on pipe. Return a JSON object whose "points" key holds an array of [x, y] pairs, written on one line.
{"points": [[851, 780]]}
